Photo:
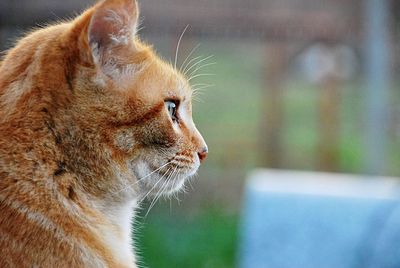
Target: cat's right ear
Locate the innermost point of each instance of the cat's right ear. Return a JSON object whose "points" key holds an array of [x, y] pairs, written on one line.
{"points": [[112, 31]]}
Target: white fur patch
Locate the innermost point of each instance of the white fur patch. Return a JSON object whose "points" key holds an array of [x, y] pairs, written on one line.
{"points": [[121, 21], [120, 216]]}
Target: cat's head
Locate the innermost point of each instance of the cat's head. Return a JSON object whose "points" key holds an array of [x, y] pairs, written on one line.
{"points": [[140, 105]]}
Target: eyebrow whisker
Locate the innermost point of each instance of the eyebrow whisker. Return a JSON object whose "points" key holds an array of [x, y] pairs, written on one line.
{"points": [[188, 56], [197, 63], [199, 75], [179, 44]]}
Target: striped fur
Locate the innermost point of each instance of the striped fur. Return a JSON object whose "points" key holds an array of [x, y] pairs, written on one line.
{"points": [[84, 135]]}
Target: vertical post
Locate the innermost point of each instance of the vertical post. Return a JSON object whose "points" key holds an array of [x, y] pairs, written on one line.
{"points": [[271, 124], [377, 77], [329, 106]]}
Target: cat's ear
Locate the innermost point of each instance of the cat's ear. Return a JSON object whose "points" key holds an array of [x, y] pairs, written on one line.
{"points": [[112, 30]]}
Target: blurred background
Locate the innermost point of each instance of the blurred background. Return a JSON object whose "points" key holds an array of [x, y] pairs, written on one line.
{"points": [[293, 85]]}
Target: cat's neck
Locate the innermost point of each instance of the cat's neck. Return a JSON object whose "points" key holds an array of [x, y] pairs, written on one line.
{"points": [[120, 215]]}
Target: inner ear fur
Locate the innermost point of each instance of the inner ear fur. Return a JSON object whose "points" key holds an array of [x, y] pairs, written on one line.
{"points": [[111, 33]]}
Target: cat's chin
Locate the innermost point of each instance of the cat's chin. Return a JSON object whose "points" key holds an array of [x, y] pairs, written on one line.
{"points": [[174, 187], [162, 182], [172, 184]]}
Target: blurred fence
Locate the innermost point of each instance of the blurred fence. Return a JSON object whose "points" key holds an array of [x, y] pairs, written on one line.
{"points": [[273, 19]]}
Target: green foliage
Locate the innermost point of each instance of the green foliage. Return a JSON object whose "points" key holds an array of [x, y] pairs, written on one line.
{"points": [[207, 239]]}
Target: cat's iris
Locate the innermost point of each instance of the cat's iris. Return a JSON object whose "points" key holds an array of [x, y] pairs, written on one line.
{"points": [[172, 108]]}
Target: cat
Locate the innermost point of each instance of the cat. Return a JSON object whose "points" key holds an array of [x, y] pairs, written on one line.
{"points": [[91, 122]]}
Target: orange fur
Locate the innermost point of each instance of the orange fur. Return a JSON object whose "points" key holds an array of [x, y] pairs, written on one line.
{"points": [[84, 128]]}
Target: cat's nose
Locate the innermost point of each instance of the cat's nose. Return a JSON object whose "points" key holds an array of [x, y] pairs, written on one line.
{"points": [[203, 153]]}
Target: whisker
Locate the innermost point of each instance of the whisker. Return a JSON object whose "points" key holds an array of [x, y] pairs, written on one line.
{"points": [[178, 45], [154, 186], [130, 186], [184, 190], [189, 64], [200, 88], [199, 75], [197, 63], [177, 198], [201, 67], [160, 192], [190, 184], [152, 172], [198, 93], [199, 84], [197, 100], [165, 173], [189, 55], [175, 175], [140, 29]]}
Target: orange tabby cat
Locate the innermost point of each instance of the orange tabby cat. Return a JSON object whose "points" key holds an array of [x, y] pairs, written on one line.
{"points": [[92, 121]]}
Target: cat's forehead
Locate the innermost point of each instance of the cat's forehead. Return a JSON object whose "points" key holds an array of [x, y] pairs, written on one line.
{"points": [[182, 86], [172, 82], [160, 81], [179, 89]]}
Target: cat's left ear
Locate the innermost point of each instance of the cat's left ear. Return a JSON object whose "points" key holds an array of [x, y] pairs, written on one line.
{"points": [[112, 30]]}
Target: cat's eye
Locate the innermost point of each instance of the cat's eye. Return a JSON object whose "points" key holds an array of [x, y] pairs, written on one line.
{"points": [[172, 108]]}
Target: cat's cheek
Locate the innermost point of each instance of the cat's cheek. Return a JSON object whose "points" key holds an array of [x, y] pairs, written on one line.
{"points": [[157, 135], [124, 140], [140, 169]]}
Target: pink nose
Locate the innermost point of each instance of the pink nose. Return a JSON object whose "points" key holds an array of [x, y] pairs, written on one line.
{"points": [[203, 154]]}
